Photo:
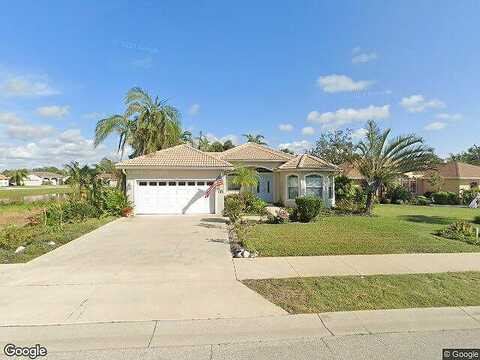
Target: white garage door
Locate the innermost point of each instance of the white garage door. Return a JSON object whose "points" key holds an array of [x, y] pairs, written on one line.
{"points": [[173, 197]]}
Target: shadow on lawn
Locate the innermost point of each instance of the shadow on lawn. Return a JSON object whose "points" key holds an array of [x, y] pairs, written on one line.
{"points": [[439, 220]]}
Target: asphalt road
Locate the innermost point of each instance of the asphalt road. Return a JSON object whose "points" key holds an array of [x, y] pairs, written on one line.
{"points": [[412, 345]]}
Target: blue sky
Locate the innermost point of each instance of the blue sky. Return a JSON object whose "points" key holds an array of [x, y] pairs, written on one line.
{"points": [[288, 70]]}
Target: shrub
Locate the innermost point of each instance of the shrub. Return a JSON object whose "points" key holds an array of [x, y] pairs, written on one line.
{"points": [[398, 194], [114, 201], [344, 188], [282, 216], [70, 211], [308, 207], [292, 214], [460, 230], [234, 207], [252, 204], [421, 201], [446, 198], [469, 195], [349, 207]]}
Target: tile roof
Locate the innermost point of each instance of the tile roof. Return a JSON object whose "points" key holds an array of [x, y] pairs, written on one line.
{"points": [[3, 177], [254, 152], [47, 174], [307, 161], [177, 157], [350, 171], [455, 169]]}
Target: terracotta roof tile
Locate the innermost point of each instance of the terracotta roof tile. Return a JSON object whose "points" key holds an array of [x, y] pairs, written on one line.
{"points": [[307, 161], [3, 177], [254, 152], [350, 171], [180, 156], [455, 169]]}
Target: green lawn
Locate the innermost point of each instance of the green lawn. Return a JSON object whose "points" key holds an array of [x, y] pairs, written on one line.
{"points": [[394, 229], [17, 193], [60, 236], [348, 293]]}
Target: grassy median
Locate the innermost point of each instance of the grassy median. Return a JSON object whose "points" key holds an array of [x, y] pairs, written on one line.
{"points": [[348, 293]]}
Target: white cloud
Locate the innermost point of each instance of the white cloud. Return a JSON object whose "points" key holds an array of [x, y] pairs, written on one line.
{"points": [[418, 103], [194, 109], [298, 147], [53, 111], [359, 133], [346, 116], [94, 116], [8, 118], [450, 117], [285, 127], [364, 57], [436, 125], [233, 138], [20, 86], [28, 132], [308, 130], [340, 83]]}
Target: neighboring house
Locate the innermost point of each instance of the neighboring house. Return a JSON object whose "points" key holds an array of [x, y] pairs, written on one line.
{"points": [[455, 177], [175, 180], [108, 179], [49, 178], [32, 180], [3, 181]]}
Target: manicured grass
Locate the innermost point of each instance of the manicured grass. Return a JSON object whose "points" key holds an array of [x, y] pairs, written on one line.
{"points": [[17, 193], [60, 235], [394, 229], [347, 293]]}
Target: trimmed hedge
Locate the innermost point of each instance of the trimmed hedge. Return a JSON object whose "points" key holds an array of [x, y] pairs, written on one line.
{"points": [[308, 208], [446, 198]]}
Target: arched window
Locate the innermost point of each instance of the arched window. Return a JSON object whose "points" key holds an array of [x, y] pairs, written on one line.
{"points": [[314, 185], [292, 187]]}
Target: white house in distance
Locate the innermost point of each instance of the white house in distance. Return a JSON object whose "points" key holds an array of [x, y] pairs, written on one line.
{"points": [[32, 180], [3, 181], [49, 178]]}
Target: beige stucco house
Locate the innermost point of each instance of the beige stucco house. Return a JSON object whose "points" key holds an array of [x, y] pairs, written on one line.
{"points": [[175, 180]]}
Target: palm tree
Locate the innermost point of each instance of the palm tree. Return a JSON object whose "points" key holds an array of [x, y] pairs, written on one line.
{"points": [[255, 138], [203, 143], [120, 124], [186, 137], [380, 161], [17, 176], [79, 178], [245, 177]]}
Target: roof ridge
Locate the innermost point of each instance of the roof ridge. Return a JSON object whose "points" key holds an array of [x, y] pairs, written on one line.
{"points": [[208, 155]]}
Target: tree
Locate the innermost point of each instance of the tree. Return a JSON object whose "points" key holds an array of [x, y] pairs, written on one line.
{"points": [[344, 188], [379, 160], [17, 176], [287, 151], [216, 146], [79, 178], [245, 177], [52, 169], [227, 145], [255, 138], [471, 156], [203, 143], [435, 181], [335, 146], [147, 125]]}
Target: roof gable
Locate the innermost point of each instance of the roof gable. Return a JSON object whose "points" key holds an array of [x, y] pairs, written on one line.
{"points": [[307, 161], [180, 156], [254, 152], [455, 169]]}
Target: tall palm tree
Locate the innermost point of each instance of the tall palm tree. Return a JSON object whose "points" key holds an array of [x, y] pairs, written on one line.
{"points": [[17, 176], [245, 177], [380, 161], [255, 138], [119, 124]]}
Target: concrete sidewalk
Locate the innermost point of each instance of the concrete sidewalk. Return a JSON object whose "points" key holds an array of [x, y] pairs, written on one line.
{"points": [[181, 333], [306, 266]]}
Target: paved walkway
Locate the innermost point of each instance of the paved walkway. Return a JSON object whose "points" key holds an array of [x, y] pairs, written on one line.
{"points": [[141, 268], [306, 266]]}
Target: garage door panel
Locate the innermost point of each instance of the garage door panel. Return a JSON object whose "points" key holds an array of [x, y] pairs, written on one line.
{"points": [[172, 197]]}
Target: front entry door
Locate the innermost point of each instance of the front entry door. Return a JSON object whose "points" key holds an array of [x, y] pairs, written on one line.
{"points": [[265, 187]]}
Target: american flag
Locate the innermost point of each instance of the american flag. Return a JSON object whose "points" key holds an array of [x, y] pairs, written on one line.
{"points": [[216, 183]]}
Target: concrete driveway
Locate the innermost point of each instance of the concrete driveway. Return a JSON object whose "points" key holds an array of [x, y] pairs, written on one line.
{"points": [[142, 268]]}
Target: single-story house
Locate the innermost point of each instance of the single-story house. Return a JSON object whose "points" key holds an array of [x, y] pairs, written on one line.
{"points": [[49, 178], [455, 177], [175, 180], [32, 180], [4, 181], [108, 179]]}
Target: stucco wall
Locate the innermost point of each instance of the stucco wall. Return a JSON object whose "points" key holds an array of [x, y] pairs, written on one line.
{"points": [[327, 178], [132, 175], [452, 185]]}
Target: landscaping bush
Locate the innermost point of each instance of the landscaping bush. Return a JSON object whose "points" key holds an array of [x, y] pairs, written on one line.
{"points": [[344, 188], [308, 207], [468, 196], [446, 198], [252, 204], [69, 212], [234, 207], [281, 216], [460, 230], [398, 194], [346, 207], [292, 214], [421, 201], [114, 202]]}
